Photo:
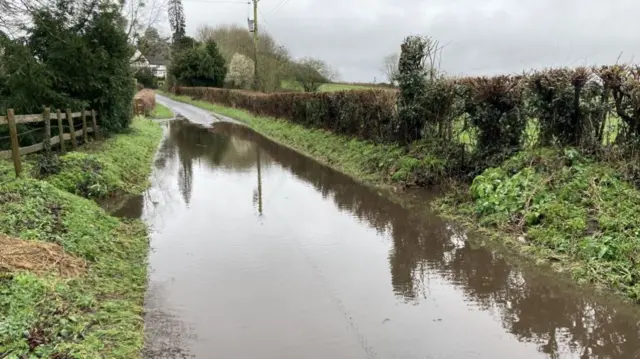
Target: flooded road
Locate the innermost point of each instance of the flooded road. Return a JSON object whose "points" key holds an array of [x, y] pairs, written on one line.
{"points": [[258, 252]]}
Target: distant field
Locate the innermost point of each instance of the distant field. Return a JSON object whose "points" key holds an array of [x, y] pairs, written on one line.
{"points": [[331, 87], [343, 87]]}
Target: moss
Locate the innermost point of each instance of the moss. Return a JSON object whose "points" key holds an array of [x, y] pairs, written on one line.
{"points": [[99, 313]]}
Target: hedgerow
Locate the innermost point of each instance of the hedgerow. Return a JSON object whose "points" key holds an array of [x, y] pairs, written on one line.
{"points": [[475, 122]]}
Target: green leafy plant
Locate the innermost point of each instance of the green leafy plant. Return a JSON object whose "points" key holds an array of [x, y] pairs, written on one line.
{"points": [[569, 208]]}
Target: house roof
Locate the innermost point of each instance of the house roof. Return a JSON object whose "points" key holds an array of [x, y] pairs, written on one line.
{"points": [[156, 60], [138, 57]]}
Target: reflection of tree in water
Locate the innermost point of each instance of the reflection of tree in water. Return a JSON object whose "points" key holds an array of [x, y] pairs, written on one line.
{"points": [[533, 309]]}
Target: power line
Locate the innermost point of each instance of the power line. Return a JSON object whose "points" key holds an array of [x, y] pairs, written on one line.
{"points": [[282, 4], [264, 19]]}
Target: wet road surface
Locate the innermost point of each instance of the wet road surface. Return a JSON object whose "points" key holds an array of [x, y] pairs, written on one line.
{"points": [[258, 252]]}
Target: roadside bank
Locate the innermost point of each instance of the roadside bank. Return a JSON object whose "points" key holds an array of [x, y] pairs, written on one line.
{"points": [[88, 304]]}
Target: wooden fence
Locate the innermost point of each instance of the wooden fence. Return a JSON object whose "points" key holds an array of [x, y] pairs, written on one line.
{"points": [[46, 116]]}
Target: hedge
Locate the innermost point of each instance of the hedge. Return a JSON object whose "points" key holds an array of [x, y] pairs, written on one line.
{"points": [[368, 114], [595, 109]]}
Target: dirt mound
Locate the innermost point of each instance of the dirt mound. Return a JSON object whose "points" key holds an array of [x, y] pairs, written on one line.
{"points": [[147, 99], [37, 257]]}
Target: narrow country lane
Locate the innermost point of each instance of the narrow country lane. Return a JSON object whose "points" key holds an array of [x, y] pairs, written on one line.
{"points": [[259, 252]]}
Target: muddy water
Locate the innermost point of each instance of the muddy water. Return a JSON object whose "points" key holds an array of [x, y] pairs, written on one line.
{"points": [[261, 253]]}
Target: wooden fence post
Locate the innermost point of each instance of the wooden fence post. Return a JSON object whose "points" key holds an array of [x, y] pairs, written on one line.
{"points": [[74, 144], [94, 122], [61, 130], [46, 144], [15, 147], [85, 134]]}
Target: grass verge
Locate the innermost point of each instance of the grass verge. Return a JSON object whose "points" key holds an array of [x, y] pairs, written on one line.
{"points": [[96, 314], [117, 165], [552, 206], [161, 112]]}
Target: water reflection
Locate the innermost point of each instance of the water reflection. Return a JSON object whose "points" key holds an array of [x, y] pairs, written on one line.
{"points": [[533, 307], [192, 143], [560, 321]]}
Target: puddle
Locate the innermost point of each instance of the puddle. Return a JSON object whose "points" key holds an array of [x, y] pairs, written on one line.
{"points": [[263, 253]]}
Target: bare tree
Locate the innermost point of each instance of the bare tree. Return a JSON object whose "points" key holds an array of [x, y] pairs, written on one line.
{"points": [[152, 43], [141, 15], [311, 73], [390, 67], [232, 39], [15, 14]]}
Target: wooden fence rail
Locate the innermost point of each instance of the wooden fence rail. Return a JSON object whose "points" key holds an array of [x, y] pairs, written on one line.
{"points": [[11, 119]]}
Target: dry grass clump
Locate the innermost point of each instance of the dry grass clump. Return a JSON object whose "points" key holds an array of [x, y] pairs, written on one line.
{"points": [[148, 99], [37, 257]]}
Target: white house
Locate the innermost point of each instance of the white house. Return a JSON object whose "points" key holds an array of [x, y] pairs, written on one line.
{"points": [[157, 64]]}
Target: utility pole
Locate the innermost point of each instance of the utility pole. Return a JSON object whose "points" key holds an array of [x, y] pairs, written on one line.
{"points": [[256, 82], [259, 182]]}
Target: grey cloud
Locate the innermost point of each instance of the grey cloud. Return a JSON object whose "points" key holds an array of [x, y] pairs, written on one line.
{"points": [[483, 36]]}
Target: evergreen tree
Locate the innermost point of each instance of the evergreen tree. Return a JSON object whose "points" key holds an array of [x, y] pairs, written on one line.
{"points": [[177, 19], [199, 65]]}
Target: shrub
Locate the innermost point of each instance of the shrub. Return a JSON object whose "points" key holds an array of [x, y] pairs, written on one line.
{"points": [[624, 83], [199, 65], [146, 78], [412, 82], [311, 73], [571, 106], [495, 107]]}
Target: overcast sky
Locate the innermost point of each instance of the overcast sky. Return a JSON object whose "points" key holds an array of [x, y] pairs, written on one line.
{"points": [[484, 36]]}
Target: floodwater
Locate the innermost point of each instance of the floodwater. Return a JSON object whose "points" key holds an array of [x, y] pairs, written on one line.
{"points": [[258, 252]]}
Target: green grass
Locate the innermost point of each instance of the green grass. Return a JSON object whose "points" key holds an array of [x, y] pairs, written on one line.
{"points": [[99, 313], [290, 85], [566, 209], [328, 87], [343, 87], [114, 166], [161, 112]]}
